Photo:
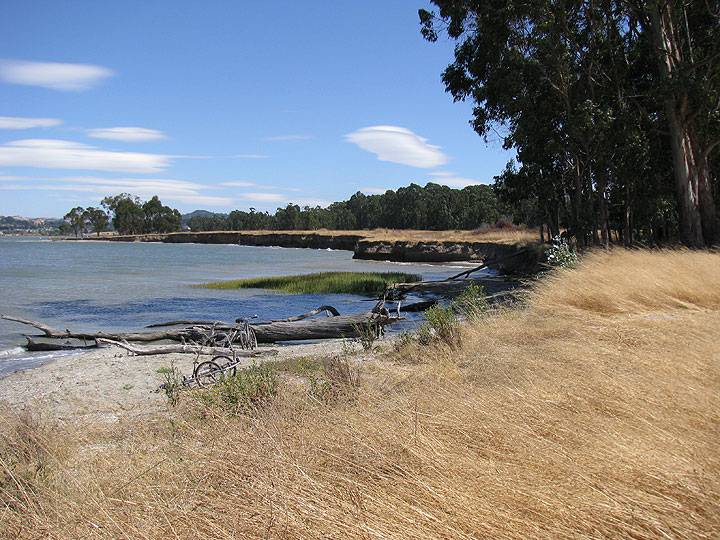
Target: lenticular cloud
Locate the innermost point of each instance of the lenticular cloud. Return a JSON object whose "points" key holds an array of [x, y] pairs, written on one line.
{"points": [[398, 145]]}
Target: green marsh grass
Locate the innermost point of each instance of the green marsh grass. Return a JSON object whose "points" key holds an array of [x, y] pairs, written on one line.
{"points": [[363, 283]]}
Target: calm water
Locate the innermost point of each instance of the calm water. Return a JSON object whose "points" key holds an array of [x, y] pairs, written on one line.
{"points": [[108, 285]]}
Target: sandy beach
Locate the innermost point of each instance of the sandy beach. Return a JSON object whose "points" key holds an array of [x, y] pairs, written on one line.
{"points": [[110, 383]]}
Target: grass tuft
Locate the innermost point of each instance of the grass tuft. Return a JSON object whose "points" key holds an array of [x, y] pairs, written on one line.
{"points": [[362, 283]]}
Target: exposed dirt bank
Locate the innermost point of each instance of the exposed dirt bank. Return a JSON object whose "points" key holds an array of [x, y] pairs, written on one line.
{"points": [[362, 246]]}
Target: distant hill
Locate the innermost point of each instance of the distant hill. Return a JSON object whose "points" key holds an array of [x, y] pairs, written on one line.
{"points": [[185, 218], [21, 224]]}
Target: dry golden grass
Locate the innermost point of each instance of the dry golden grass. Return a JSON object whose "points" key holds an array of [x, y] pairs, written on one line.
{"points": [[592, 413], [492, 235]]}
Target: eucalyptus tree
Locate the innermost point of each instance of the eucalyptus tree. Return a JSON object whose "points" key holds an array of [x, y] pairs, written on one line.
{"points": [[592, 94], [97, 218]]}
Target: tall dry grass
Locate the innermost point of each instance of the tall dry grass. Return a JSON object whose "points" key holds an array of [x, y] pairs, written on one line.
{"points": [[490, 234], [592, 413]]}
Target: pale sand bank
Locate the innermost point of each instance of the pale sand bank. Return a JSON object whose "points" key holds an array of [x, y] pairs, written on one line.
{"points": [[109, 383]]}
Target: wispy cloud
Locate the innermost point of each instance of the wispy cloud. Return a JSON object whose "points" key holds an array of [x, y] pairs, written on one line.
{"points": [[167, 189], [239, 184], [55, 75], [60, 154], [19, 122], [279, 138], [453, 180], [127, 134], [398, 145], [312, 202], [373, 190], [250, 156], [264, 197]]}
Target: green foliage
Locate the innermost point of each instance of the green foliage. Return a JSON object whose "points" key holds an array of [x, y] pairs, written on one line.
{"points": [[442, 324], [158, 218], [368, 333], [339, 379], [561, 255], [132, 216], [250, 388], [172, 383], [471, 303], [590, 104], [363, 283], [76, 219], [97, 218], [433, 207]]}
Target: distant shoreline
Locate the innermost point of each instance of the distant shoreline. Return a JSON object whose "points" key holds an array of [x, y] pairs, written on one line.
{"points": [[381, 245]]}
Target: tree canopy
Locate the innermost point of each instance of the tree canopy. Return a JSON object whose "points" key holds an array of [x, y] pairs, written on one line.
{"points": [[611, 105], [433, 207]]}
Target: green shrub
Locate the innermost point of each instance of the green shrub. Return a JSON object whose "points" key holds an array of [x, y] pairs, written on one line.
{"points": [[471, 303], [250, 388], [561, 255], [442, 324], [339, 379], [172, 383], [368, 332]]}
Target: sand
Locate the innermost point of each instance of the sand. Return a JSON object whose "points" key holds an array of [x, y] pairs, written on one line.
{"points": [[108, 384]]}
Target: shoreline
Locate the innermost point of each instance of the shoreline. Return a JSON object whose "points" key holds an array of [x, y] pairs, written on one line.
{"points": [[423, 249], [109, 383]]}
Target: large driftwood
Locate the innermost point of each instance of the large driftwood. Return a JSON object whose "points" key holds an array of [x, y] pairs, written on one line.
{"points": [[50, 332], [34, 345], [186, 348], [292, 329], [448, 287], [343, 326]]}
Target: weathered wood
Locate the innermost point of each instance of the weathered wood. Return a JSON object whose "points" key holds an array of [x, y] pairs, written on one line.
{"points": [[34, 346], [187, 349], [448, 287], [174, 335], [343, 326]]}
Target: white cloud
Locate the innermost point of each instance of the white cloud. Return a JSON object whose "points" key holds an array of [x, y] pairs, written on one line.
{"points": [[60, 154], [18, 122], [373, 190], [167, 189], [264, 197], [453, 180], [312, 202], [55, 75], [278, 138], [398, 145], [239, 183], [127, 134]]}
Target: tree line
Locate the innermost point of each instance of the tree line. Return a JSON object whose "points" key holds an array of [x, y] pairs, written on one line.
{"points": [[612, 107], [128, 215], [433, 207]]}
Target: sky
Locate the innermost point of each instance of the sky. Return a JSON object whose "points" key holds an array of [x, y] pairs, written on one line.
{"points": [[224, 105]]}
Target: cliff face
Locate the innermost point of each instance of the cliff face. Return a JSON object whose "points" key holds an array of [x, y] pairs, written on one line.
{"points": [[527, 258]]}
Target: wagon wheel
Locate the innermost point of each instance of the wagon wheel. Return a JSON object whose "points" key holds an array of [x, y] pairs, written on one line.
{"points": [[227, 365], [207, 373]]}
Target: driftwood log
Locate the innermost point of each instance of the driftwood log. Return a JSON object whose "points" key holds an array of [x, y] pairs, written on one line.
{"points": [[298, 328], [186, 348], [449, 287]]}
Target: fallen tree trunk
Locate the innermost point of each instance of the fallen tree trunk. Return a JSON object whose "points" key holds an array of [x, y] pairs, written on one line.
{"points": [[449, 287], [36, 346], [174, 335], [342, 326], [188, 349], [292, 329]]}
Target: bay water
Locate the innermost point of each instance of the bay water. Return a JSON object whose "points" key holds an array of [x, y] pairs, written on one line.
{"points": [[94, 285]]}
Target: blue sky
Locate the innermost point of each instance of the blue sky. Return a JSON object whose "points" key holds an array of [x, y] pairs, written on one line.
{"points": [[225, 104]]}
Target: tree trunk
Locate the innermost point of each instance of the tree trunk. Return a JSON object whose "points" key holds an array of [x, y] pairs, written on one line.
{"points": [[692, 176]]}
